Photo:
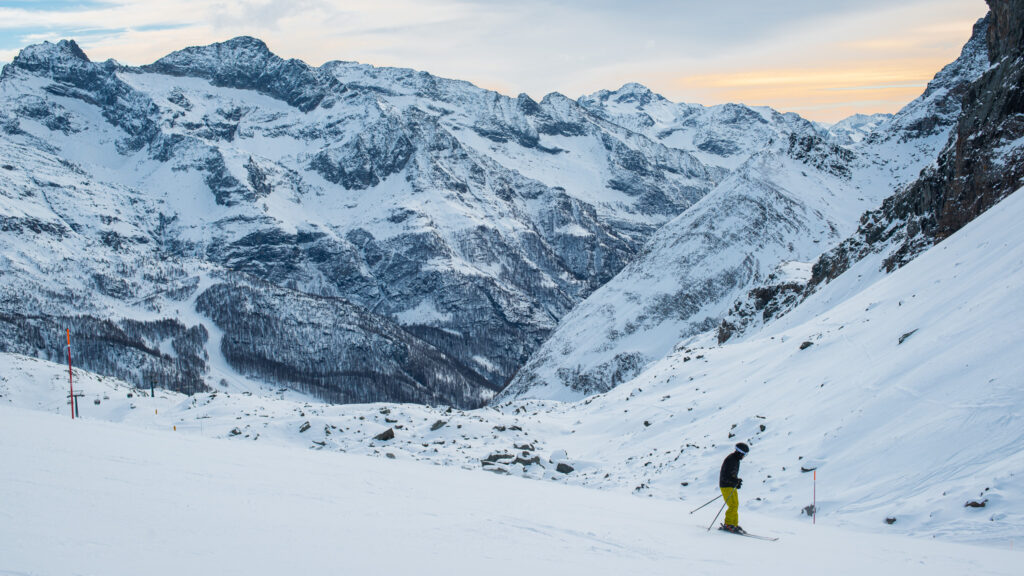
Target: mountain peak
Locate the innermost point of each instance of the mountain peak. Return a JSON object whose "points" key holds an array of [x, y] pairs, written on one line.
{"points": [[208, 60], [636, 92], [63, 62], [630, 92], [247, 63], [633, 88], [46, 54], [245, 42]]}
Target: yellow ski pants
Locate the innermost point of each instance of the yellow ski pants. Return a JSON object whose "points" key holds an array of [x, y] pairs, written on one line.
{"points": [[732, 500]]}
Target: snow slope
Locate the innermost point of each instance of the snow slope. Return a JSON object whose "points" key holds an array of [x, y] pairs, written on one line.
{"points": [[85, 497], [906, 402]]}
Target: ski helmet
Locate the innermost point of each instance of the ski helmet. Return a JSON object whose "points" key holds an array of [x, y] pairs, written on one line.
{"points": [[742, 448]]}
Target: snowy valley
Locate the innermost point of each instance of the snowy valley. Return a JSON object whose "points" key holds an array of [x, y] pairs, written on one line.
{"points": [[906, 409], [372, 320]]}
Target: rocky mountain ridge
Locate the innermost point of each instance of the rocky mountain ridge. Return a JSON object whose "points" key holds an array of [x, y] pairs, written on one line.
{"points": [[469, 221], [981, 163], [744, 253]]}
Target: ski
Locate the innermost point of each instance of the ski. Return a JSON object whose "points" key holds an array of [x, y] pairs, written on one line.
{"points": [[759, 537], [749, 535]]}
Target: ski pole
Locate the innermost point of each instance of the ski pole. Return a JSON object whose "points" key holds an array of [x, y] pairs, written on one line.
{"points": [[716, 517], [706, 503]]}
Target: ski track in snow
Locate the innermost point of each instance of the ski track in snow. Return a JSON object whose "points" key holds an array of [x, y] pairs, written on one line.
{"points": [[85, 497]]}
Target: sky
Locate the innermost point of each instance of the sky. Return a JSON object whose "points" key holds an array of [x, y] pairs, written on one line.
{"points": [[822, 59]]}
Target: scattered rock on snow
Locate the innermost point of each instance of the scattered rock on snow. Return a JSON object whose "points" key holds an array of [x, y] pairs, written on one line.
{"points": [[525, 459], [890, 520], [497, 457], [304, 427], [907, 335], [807, 344], [438, 425], [564, 468], [386, 435], [490, 467], [976, 503]]}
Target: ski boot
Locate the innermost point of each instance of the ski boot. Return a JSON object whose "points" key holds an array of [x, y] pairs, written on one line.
{"points": [[732, 528]]}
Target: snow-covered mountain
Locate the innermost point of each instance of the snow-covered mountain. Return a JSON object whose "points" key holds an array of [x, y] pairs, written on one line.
{"points": [[463, 222], [753, 238], [901, 391], [854, 129], [226, 217], [725, 135], [982, 159]]}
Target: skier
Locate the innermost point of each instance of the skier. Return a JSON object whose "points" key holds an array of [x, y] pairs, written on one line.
{"points": [[729, 482]]}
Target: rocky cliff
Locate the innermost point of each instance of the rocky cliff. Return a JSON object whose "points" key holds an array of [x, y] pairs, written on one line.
{"points": [[982, 161]]}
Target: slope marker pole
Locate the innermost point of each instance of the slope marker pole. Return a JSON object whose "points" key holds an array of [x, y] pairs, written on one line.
{"points": [[71, 385]]}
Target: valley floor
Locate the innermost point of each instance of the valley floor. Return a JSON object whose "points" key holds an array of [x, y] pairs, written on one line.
{"points": [[88, 497]]}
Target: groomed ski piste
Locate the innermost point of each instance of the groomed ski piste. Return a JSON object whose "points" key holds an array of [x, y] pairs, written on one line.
{"points": [[907, 404], [94, 498]]}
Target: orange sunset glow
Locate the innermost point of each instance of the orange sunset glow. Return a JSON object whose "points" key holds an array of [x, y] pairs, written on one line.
{"points": [[824, 61]]}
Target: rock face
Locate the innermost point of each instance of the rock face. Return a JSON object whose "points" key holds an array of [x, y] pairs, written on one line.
{"points": [[444, 223], [982, 162]]}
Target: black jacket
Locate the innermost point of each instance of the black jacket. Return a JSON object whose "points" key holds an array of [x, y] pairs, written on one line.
{"points": [[730, 471]]}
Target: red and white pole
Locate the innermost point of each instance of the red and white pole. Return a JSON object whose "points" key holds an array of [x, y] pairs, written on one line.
{"points": [[814, 519], [71, 386]]}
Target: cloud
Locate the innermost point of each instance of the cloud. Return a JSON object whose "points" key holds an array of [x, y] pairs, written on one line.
{"points": [[7, 55], [799, 54]]}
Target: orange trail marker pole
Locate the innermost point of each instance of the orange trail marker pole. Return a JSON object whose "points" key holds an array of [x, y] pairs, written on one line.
{"points": [[71, 385]]}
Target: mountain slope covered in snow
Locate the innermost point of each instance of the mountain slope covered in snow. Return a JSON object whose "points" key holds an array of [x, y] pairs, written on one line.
{"points": [[758, 232], [466, 222]]}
